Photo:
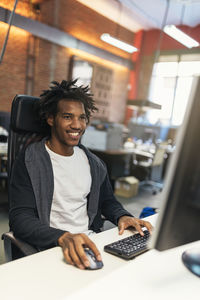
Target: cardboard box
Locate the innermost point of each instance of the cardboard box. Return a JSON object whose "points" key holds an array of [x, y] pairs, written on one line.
{"points": [[126, 186]]}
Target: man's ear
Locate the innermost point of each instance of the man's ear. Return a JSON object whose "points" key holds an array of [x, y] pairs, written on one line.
{"points": [[50, 120]]}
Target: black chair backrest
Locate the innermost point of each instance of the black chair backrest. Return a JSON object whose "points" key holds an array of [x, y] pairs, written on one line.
{"points": [[24, 126], [5, 119]]}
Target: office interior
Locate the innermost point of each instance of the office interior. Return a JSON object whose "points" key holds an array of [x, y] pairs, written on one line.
{"points": [[142, 96]]}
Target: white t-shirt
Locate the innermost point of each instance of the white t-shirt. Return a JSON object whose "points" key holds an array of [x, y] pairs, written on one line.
{"points": [[72, 183]]}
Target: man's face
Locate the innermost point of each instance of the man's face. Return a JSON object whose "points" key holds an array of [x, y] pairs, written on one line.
{"points": [[69, 124]]}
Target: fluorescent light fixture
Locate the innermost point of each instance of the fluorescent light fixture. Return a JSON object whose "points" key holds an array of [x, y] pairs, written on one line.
{"points": [[106, 37], [180, 36]]}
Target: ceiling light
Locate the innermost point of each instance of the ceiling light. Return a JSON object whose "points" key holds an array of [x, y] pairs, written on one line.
{"points": [[180, 36], [144, 104], [106, 37]]}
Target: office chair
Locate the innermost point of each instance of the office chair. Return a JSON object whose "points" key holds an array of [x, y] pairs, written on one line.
{"points": [[24, 129], [3, 153], [3, 172], [146, 167], [5, 119]]}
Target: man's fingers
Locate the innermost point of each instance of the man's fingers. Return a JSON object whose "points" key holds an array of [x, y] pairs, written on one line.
{"points": [[79, 247], [87, 244], [73, 249], [148, 226], [75, 256], [121, 228], [67, 244], [94, 249], [142, 223], [138, 228], [126, 222], [67, 256]]}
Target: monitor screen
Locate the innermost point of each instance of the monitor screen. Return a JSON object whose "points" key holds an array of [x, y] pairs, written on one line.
{"points": [[179, 217]]}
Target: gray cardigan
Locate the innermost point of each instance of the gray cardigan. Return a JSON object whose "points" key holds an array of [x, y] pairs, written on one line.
{"points": [[31, 194]]}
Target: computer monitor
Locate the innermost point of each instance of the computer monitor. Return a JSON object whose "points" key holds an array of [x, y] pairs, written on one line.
{"points": [[179, 218]]}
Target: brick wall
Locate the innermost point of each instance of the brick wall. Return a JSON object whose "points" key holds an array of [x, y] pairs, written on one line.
{"points": [[52, 61], [43, 66], [87, 25], [13, 66], [119, 95], [23, 7]]}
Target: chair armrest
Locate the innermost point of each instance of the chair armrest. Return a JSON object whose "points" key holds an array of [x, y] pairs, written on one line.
{"points": [[10, 239]]}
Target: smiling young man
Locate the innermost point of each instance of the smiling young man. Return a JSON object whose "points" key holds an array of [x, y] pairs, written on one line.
{"points": [[59, 190]]}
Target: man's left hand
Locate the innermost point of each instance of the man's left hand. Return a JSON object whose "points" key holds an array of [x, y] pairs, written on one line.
{"points": [[126, 222]]}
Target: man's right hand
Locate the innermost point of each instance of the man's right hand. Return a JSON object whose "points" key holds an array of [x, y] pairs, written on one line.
{"points": [[73, 249]]}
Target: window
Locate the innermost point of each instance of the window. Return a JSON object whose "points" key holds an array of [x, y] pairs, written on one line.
{"points": [[170, 87], [82, 70]]}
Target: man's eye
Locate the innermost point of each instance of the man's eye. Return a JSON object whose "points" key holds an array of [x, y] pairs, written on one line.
{"points": [[83, 118], [67, 117]]}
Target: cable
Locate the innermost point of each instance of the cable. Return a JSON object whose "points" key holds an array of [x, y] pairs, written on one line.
{"points": [[7, 35], [164, 21]]}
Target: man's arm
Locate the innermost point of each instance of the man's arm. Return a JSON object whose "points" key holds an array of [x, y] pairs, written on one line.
{"points": [[25, 223], [23, 215], [114, 211]]}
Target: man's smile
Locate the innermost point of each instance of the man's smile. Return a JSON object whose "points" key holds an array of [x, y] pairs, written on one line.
{"points": [[74, 133]]}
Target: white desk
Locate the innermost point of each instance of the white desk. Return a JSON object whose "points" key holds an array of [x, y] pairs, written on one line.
{"points": [[127, 151], [3, 149], [153, 275]]}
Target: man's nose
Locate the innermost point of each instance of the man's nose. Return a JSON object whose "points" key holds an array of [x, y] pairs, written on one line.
{"points": [[75, 123]]}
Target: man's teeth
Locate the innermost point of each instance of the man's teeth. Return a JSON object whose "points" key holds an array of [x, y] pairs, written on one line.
{"points": [[74, 134]]}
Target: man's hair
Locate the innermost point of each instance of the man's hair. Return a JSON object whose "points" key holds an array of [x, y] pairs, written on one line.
{"points": [[68, 90]]}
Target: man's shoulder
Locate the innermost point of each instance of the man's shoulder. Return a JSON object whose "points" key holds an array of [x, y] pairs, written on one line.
{"points": [[94, 158], [35, 149]]}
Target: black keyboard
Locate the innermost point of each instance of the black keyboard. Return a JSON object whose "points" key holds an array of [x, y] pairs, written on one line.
{"points": [[129, 247]]}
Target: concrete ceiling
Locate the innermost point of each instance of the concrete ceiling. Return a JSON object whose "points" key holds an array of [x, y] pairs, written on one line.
{"points": [[147, 14]]}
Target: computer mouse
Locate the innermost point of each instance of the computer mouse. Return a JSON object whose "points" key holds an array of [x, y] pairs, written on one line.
{"points": [[191, 259], [94, 263]]}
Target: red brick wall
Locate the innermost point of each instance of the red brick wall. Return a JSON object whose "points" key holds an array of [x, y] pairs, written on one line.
{"points": [[85, 24], [42, 68], [52, 61], [13, 66], [51, 64], [22, 8]]}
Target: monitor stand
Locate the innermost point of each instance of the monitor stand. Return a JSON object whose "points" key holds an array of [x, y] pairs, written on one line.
{"points": [[191, 259]]}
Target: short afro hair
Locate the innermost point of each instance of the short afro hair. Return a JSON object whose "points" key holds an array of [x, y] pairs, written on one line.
{"points": [[48, 103]]}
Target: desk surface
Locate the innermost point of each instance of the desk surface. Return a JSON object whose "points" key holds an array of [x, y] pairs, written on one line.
{"points": [[3, 148], [153, 275], [126, 152]]}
